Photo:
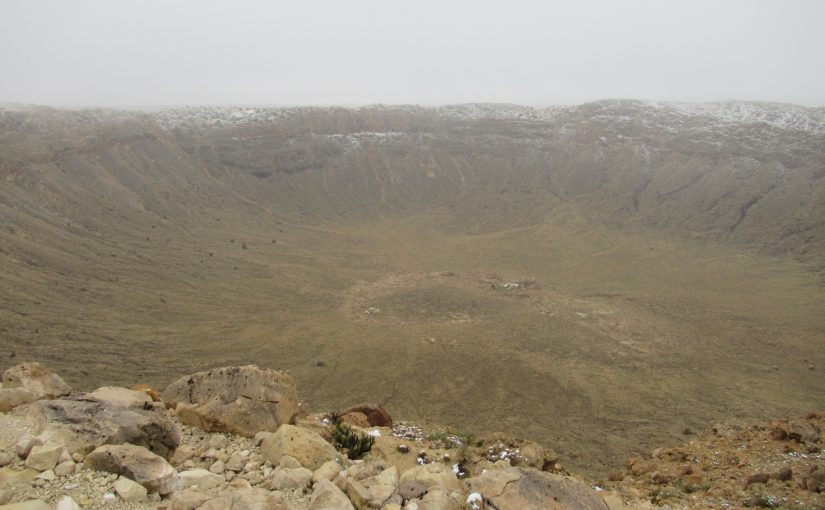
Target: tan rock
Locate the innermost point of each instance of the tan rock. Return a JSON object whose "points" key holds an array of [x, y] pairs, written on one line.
{"points": [[43, 457], [438, 499], [527, 489], [65, 468], [326, 496], [248, 499], [307, 447], [198, 478], [357, 493], [114, 396], [67, 503], [188, 499], [11, 476], [291, 478], [136, 463], [32, 504], [242, 400], [379, 494], [130, 490], [432, 475], [37, 378], [13, 397], [327, 471]]}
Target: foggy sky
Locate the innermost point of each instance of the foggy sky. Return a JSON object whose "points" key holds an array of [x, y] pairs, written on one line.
{"points": [[164, 52]]}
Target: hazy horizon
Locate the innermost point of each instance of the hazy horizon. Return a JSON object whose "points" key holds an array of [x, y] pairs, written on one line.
{"points": [[164, 54]]}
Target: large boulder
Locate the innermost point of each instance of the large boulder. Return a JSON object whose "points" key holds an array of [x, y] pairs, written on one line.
{"points": [[247, 499], [528, 489], [136, 463], [241, 400], [86, 422], [305, 446], [36, 377], [28, 382], [431, 475]]}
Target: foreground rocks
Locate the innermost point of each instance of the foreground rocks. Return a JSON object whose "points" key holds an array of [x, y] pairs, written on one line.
{"points": [[119, 445], [241, 400]]}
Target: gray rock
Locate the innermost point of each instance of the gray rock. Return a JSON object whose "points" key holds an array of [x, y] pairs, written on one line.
{"points": [[136, 463], [83, 424], [5, 459], [527, 489], [241, 400]]}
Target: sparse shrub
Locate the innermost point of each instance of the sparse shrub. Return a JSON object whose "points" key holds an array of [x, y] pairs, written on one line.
{"points": [[353, 443]]}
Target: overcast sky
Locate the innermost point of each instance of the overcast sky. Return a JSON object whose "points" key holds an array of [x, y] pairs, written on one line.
{"points": [[165, 52]]}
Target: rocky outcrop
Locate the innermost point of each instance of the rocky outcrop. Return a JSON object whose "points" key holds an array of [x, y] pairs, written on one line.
{"points": [[29, 382], [241, 400], [136, 463], [84, 423], [305, 446], [524, 488]]}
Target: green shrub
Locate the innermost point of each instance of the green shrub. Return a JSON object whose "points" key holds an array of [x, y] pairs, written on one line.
{"points": [[353, 443]]}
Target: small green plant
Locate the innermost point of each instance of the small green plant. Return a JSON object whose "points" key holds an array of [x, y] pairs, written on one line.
{"points": [[353, 443]]}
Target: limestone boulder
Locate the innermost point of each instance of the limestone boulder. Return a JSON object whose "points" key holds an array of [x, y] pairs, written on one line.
{"points": [[200, 478], [136, 463], [114, 396], [307, 447], [29, 382], [129, 490], [13, 397], [291, 478], [241, 400], [527, 489], [37, 378], [247, 499], [432, 475], [84, 423], [327, 496], [45, 456]]}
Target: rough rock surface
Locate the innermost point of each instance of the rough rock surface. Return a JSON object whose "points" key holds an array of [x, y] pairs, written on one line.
{"points": [[37, 378], [241, 400], [528, 489], [28, 382], [305, 446], [136, 463], [84, 423]]}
